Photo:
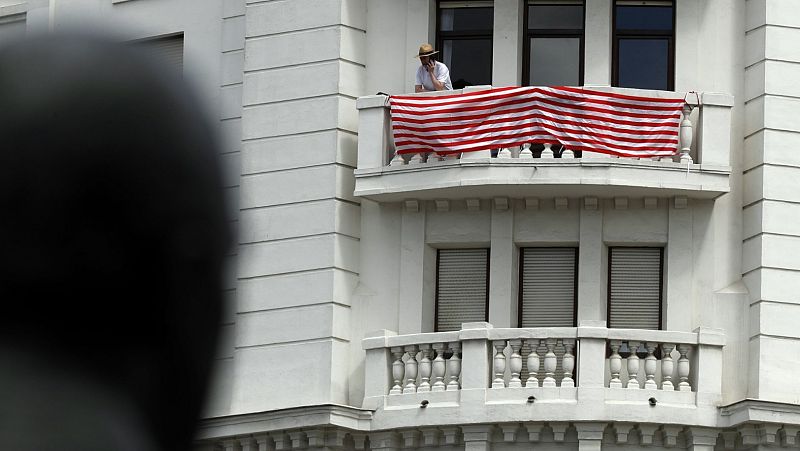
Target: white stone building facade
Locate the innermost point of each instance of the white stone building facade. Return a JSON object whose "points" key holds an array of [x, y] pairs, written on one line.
{"points": [[336, 332]]}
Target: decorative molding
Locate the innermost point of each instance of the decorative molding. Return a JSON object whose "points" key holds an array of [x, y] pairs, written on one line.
{"points": [[442, 205], [531, 203], [473, 204], [501, 203], [621, 203], [650, 203], [590, 203], [681, 202], [561, 203], [412, 205]]}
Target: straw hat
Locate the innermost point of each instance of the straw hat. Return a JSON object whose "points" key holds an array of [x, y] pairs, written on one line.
{"points": [[426, 50]]}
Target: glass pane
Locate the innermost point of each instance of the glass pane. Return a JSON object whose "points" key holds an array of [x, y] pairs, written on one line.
{"points": [[469, 61], [466, 19], [643, 63], [644, 18], [555, 17], [555, 61]]}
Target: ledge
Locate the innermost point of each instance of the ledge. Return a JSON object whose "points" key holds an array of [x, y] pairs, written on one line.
{"points": [[487, 178], [298, 417]]}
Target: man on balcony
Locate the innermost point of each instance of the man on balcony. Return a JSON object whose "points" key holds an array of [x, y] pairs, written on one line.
{"points": [[431, 74]]}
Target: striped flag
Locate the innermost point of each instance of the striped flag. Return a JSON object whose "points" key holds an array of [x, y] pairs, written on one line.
{"points": [[579, 119]]}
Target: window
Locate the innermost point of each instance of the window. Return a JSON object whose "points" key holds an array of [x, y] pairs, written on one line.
{"points": [[168, 48], [644, 44], [553, 47], [462, 287], [635, 284], [464, 39], [548, 287]]}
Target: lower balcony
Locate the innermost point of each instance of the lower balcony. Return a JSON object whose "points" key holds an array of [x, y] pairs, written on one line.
{"points": [[589, 373], [700, 167]]}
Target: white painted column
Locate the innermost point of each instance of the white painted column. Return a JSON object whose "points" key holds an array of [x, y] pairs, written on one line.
{"points": [[592, 270], [412, 268], [377, 368], [678, 262], [706, 366], [420, 28], [475, 374], [597, 48], [503, 261], [507, 42], [591, 360]]}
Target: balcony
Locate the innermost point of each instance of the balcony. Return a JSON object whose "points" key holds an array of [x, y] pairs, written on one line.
{"points": [[483, 375], [701, 169]]}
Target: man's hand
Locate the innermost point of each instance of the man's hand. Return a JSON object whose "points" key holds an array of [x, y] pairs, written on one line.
{"points": [[430, 67]]}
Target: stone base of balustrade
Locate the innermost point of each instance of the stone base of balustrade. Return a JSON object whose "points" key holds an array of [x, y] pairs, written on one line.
{"points": [[451, 398], [643, 395], [542, 394]]}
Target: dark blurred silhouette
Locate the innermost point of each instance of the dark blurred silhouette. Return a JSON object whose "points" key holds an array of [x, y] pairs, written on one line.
{"points": [[112, 235]]}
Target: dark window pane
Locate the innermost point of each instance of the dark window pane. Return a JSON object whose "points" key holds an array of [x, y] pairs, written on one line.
{"points": [[555, 17], [469, 61], [466, 19], [555, 61], [643, 63], [644, 18]]}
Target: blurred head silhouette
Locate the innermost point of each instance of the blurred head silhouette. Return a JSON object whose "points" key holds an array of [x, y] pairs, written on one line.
{"points": [[112, 234]]}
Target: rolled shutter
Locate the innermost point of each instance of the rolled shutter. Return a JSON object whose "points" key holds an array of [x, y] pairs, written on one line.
{"points": [[635, 288], [461, 287], [169, 49], [548, 287]]}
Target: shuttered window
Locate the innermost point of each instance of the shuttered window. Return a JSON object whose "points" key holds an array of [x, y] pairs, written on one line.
{"points": [[635, 285], [169, 49], [548, 287], [462, 287]]}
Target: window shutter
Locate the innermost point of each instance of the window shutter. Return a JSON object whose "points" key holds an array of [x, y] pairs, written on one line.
{"points": [[169, 49], [548, 287], [461, 287], [635, 288]]}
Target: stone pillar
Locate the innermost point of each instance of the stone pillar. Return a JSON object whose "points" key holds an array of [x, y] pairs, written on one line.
{"points": [[592, 270], [412, 269], [298, 148], [503, 262], [476, 372], [597, 51], [507, 42]]}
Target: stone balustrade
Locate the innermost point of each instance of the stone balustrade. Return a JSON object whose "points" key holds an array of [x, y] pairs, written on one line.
{"points": [[545, 362], [700, 167]]}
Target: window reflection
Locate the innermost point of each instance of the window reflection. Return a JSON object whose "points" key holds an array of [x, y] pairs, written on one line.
{"points": [[465, 39], [554, 47], [644, 44]]}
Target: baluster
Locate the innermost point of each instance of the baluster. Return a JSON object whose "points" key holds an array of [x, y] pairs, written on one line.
{"points": [[425, 369], [566, 153], [568, 363], [499, 364], [633, 366], [683, 369], [615, 364], [667, 366], [411, 370], [550, 363], [548, 152], [686, 136], [515, 363], [397, 160], [650, 366], [416, 159], [454, 366], [439, 367], [504, 153], [533, 363], [526, 153], [398, 368]]}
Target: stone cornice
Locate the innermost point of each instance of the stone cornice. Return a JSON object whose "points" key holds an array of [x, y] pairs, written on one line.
{"points": [[298, 417], [755, 410]]}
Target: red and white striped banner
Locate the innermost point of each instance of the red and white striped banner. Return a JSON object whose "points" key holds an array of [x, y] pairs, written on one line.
{"points": [[579, 119]]}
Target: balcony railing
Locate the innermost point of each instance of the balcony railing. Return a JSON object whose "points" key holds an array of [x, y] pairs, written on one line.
{"points": [[483, 365], [700, 168]]}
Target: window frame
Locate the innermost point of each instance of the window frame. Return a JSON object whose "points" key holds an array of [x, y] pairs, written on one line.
{"points": [[550, 33], [465, 35], [436, 287], [575, 282], [642, 34], [660, 284]]}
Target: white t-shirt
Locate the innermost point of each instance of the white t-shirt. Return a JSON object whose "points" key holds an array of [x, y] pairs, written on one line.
{"points": [[439, 70]]}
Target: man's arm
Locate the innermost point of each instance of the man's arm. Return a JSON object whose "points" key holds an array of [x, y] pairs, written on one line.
{"points": [[438, 85]]}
